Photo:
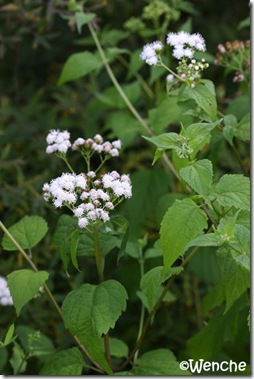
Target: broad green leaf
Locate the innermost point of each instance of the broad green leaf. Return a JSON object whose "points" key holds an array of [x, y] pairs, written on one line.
{"points": [[91, 311], [24, 285], [164, 114], [118, 348], [82, 18], [233, 190], [214, 298], [204, 96], [183, 222], [156, 363], [230, 122], [205, 266], [65, 363], [209, 239], [73, 248], [239, 106], [123, 126], [199, 176], [18, 360], [28, 232], [165, 141], [151, 282], [235, 278], [199, 135], [242, 130], [34, 343], [165, 202], [78, 65]]}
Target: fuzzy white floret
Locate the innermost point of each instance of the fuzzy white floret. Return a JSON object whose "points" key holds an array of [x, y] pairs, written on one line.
{"points": [[83, 222]]}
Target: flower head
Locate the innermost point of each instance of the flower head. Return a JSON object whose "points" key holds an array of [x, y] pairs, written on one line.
{"points": [[185, 44], [150, 52], [5, 296], [58, 141]]}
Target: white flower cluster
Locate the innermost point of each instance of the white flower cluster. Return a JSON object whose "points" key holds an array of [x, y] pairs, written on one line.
{"points": [[5, 296], [58, 141], [90, 198], [150, 52], [185, 44], [99, 145]]}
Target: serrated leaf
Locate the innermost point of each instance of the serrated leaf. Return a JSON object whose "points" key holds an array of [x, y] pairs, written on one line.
{"points": [[82, 18], [233, 190], [28, 232], [78, 65], [183, 222], [242, 130], [156, 363], [151, 283], [24, 285], [91, 311], [209, 239], [235, 278], [199, 176], [204, 96], [64, 363]]}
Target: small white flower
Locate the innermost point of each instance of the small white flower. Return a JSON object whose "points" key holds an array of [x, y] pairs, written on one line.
{"points": [[114, 152], [150, 52], [97, 147], [83, 222], [78, 212], [107, 146], [98, 138], [117, 144], [91, 174], [109, 205], [78, 142], [92, 215], [58, 141], [170, 78]]}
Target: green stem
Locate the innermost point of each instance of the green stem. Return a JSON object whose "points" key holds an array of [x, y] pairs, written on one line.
{"points": [[171, 71], [100, 268], [98, 255], [142, 314], [49, 293], [68, 165]]}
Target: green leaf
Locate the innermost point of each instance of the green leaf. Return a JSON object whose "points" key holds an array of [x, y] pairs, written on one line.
{"points": [[214, 298], [34, 343], [165, 202], [204, 96], [242, 130], [24, 285], [73, 248], [209, 239], [199, 135], [82, 18], [164, 114], [118, 348], [233, 190], [28, 232], [199, 176], [64, 363], [183, 222], [230, 122], [91, 311], [78, 65], [18, 360], [165, 141], [235, 278], [151, 283], [9, 334], [157, 362], [123, 126], [239, 106]]}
